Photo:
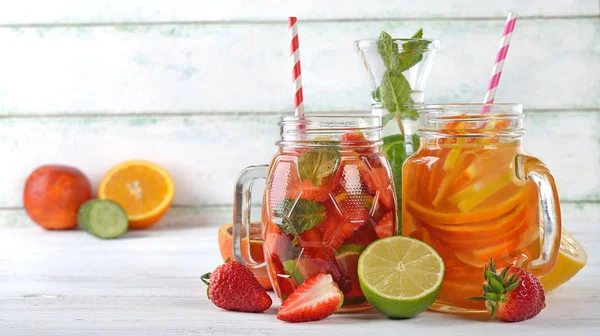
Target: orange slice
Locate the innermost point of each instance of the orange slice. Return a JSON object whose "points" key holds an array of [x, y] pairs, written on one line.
{"points": [[432, 217], [142, 188]]}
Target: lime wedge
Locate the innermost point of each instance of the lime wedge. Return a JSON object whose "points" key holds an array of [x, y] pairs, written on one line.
{"points": [[400, 276]]}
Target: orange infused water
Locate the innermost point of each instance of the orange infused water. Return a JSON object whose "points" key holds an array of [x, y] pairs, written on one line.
{"points": [[466, 193]]}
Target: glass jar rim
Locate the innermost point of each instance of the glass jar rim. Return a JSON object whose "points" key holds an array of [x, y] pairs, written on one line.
{"points": [[473, 108], [328, 130], [471, 120], [370, 45], [333, 122]]}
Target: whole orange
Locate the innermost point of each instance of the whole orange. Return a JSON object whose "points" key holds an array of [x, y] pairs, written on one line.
{"points": [[255, 248], [53, 195]]}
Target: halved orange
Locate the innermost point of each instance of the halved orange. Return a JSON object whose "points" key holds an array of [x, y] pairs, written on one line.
{"points": [[144, 190]]}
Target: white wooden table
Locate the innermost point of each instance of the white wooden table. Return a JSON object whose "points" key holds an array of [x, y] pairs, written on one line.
{"points": [[147, 283]]}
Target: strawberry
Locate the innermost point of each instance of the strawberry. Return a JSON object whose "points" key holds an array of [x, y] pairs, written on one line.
{"points": [[308, 191], [317, 298], [285, 285], [365, 235], [385, 227], [378, 180], [232, 286], [514, 295], [353, 137]]}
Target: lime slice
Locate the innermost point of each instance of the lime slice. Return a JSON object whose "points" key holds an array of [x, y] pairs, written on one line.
{"points": [[400, 276]]}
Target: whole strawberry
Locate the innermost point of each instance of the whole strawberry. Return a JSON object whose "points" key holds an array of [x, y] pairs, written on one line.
{"points": [[232, 286], [513, 295]]}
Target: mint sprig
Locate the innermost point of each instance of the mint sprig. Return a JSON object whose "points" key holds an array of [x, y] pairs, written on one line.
{"points": [[298, 215], [394, 90]]}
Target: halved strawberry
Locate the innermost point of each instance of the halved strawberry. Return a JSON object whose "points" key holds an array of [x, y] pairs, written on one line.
{"points": [[385, 227], [365, 235], [317, 298], [308, 191], [378, 180], [345, 231], [284, 285], [353, 137]]}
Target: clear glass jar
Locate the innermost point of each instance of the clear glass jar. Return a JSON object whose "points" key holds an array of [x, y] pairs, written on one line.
{"points": [[329, 193], [473, 193], [398, 69]]}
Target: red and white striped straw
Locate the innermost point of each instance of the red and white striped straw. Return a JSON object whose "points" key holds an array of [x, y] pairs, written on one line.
{"points": [[509, 26], [296, 72]]}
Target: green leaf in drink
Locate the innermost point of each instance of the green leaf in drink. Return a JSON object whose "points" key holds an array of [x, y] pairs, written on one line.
{"points": [[396, 149], [298, 215], [317, 164], [394, 90]]}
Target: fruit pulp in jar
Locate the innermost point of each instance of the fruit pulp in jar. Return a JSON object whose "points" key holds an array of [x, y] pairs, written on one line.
{"points": [[322, 207], [462, 197]]}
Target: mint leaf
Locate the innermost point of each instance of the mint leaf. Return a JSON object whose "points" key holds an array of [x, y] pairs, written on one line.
{"points": [[387, 118], [298, 215], [317, 164], [388, 49], [412, 52], [397, 150], [395, 91]]}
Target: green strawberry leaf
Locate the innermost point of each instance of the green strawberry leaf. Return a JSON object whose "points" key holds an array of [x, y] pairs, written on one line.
{"points": [[298, 215], [317, 164]]}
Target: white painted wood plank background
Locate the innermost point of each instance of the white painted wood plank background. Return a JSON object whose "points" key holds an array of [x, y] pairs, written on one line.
{"points": [[193, 84], [192, 147], [110, 11], [213, 68]]}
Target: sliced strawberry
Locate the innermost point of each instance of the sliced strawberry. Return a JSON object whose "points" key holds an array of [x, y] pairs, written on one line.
{"points": [[354, 137], [308, 191], [379, 180], [347, 228], [284, 284], [365, 235], [385, 227], [317, 298]]}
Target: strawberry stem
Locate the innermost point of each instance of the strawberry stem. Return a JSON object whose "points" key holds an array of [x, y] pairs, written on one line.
{"points": [[206, 278]]}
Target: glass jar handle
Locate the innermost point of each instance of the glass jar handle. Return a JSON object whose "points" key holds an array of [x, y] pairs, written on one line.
{"points": [[241, 211], [531, 169]]}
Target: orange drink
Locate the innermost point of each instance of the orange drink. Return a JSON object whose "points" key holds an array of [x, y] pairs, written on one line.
{"points": [[473, 193]]}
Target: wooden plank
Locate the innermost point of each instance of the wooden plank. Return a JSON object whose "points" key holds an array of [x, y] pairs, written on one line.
{"points": [[103, 11], [206, 153], [579, 218], [147, 283], [242, 67]]}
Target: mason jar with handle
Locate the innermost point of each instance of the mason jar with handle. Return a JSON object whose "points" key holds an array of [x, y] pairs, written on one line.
{"points": [[473, 193], [329, 193]]}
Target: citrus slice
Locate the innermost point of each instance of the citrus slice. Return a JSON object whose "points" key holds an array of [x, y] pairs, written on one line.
{"points": [[400, 276], [571, 259], [143, 189], [251, 249], [348, 261]]}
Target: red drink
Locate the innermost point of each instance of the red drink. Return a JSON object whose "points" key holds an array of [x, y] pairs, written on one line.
{"points": [[326, 199]]}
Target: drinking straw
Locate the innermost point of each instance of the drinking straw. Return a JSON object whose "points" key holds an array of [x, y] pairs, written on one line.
{"points": [[296, 72], [509, 26]]}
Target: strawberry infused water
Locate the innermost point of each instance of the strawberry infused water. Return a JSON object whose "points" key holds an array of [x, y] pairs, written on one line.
{"points": [[329, 193]]}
